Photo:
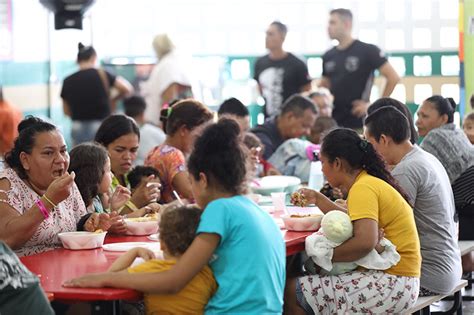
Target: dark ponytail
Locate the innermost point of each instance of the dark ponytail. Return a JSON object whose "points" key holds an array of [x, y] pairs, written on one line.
{"points": [[220, 154], [166, 112], [444, 106], [28, 129], [85, 53], [346, 144]]}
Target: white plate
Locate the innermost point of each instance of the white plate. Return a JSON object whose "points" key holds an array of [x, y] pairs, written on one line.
{"points": [[125, 246], [153, 237], [268, 184]]}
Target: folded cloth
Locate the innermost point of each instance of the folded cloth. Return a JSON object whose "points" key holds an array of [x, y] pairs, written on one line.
{"points": [[290, 158], [321, 250]]}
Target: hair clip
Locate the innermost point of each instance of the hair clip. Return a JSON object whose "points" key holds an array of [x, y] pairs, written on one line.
{"points": [[363, 144]]}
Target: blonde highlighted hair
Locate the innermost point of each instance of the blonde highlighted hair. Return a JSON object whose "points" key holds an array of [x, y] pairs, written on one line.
{"points": [[162, 45]]}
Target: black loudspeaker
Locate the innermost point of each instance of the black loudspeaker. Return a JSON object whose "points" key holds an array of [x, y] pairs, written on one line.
{"points": [[67, 20], [67, 13]]}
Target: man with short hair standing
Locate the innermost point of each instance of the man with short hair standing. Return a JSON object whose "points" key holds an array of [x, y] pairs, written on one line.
{"points": [[279, 74], [348, 71]]}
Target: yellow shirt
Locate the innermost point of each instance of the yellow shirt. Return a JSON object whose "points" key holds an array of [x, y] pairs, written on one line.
{"points": [[190, 300], [373, 198]]}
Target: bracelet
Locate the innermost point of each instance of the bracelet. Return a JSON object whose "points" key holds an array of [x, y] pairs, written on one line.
{"points": [[49, 200], [42, 208]]}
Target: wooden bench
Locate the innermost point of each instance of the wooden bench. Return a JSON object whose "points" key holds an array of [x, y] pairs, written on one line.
{"points": [[422, 305], [467, 247]]}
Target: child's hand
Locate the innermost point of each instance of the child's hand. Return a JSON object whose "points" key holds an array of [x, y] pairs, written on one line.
{"points": [[118, 225], [142, 212], [379, 248], [144, 253], [98, 222], [147, 191], [93, 280], [119, 198]]}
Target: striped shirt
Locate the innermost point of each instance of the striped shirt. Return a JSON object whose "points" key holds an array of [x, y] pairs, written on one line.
{"points": [[452, 148]]}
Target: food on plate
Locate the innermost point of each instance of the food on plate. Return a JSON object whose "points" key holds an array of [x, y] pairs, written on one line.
{"points": [[147, 218], [99, 231], [298, 199], [308, 215], [152, 216]]}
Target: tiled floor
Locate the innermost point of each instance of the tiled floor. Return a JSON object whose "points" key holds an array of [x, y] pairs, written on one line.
{"points": [[467, 306]]}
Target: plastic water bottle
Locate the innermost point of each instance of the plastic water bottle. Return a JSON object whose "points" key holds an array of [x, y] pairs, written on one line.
{"points": [[316, 177]]}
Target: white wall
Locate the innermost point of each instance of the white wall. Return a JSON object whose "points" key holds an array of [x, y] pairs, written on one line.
{"points": [[126, 28], [237, 27]]}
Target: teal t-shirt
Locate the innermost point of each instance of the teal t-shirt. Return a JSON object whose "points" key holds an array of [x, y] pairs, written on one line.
{"points": [[249, 263]]}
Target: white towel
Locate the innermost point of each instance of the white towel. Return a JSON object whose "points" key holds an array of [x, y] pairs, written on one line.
{"points": [[321, 250]]}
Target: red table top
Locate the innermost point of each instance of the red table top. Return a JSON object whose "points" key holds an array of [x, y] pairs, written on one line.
{"points": [[58, 265]]}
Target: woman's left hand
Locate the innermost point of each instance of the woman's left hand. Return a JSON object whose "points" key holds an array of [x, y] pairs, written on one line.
{"points": [[98, 221], [94, 280]]}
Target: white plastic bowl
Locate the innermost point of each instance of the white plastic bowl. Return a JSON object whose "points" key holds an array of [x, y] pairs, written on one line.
{"points": [[141, 228], [82, 240], [311, 223], [266, 188], [269, 184]]}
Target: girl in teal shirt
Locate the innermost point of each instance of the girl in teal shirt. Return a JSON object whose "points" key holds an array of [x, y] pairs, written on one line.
{"points": [[240, 241]]}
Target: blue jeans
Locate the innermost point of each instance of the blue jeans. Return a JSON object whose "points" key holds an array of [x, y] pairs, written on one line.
{"points": [[83, 131]]}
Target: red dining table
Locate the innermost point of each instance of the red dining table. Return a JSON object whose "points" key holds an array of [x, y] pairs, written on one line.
{"points": [[56, 266]]}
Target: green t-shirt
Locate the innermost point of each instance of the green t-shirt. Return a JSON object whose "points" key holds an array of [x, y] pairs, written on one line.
{"points": [[20, 290]]}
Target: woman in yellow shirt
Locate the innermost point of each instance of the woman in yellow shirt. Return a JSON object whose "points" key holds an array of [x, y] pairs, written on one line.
{"points": [[177, 231], [375, 202]]}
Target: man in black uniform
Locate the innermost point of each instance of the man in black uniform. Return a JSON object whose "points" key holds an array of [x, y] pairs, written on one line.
{"points": [[348, 71], [279, 74]]}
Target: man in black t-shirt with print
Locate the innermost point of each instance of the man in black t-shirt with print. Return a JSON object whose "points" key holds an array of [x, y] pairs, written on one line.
{"points": [[279, 74], [348, 71]]}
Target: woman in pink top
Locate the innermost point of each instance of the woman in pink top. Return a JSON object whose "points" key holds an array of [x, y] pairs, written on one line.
{"points": [[38, 197]]}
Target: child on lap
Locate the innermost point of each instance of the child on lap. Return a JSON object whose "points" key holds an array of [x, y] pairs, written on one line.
{"points": [[177, 231]]}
